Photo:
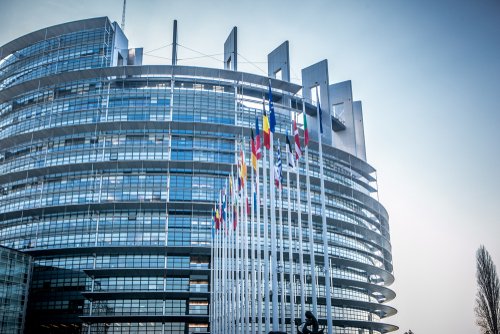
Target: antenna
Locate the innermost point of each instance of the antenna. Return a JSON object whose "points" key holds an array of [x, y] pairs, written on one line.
{"points": [[174, 45], [123, 15]]}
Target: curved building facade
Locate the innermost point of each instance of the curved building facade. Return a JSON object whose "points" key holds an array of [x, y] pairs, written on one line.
{"points": [[109, 170]]}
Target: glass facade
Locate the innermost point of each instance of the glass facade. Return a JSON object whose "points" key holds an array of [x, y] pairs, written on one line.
{"points": [[15, 272], [108, 179]]}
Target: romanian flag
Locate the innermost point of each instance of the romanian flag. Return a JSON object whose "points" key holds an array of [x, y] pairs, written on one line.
{"points": [[266, 129], [306, 132], [258, 152], [217, 220], [253, 150]]}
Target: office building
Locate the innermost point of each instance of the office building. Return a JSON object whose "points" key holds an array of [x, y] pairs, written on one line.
{"points": [[109, 171]]}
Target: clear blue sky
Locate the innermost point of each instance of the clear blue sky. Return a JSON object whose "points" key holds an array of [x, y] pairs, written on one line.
{"points": [[428, 73]]}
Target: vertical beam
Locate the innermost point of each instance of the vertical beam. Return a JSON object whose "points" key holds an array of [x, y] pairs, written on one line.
{"points": [[359, 129], [174, 44], [312, 76], [279, 60], [231, 50], [123, 14]]}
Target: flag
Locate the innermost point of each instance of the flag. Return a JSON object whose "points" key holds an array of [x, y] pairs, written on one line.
{"points": [[319, 112], [235, 218], [216, 217], [298, 150], [272, 117], [248, 207], [214, 225], [278, 168], [219, 211], [258, 152], [243, 170], [306, 131], [265, 128], [239, 182], [291, 158], [231, 186], [253, 150], [224, 206]]}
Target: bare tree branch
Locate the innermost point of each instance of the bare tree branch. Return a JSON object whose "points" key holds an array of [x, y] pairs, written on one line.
{"points": [[488, 293]]}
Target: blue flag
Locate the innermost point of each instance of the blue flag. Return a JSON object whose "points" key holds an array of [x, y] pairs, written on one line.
{"points": [[278, 168], [319, 112], [272, 117]]}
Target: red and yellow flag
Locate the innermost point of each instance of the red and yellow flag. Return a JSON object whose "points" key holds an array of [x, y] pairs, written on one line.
{"points": [[267, 131], [253, 148], [243, 170]]}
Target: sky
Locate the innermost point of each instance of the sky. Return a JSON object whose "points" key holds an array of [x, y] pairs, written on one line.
{"points": [[428, 74]]}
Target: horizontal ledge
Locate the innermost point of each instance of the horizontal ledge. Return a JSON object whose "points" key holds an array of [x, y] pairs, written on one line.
{"points": [[105, 295], [141, 272], [100, 250], [145, 318]]}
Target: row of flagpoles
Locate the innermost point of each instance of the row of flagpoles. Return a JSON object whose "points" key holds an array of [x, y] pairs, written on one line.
{"points": [[244, 275]]}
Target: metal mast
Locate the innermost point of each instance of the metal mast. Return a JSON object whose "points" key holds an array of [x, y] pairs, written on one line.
{"points": [[123, 14]]}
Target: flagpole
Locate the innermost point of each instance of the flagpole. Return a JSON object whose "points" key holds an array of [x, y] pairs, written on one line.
{"points": [[299, 225], [259, 261], [311, 230], [219, 274], [223, 276], [266, 242], [213, 326], [325, 228], [281, 268], [219, 271], [253, 239], [231, 236], [242, 260], [226, 257], [290, 240], [274, 256], [212, 280], [237, 264], [234, 272], [212, 248], [245, 244]]}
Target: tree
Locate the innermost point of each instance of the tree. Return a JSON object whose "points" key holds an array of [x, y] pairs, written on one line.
{"points": [[488, 293]]}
